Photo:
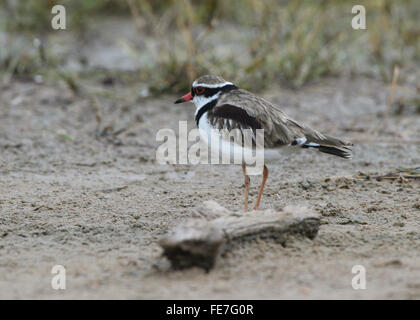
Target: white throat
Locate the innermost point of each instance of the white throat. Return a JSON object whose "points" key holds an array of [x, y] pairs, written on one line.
{"points": [[201, 101]]}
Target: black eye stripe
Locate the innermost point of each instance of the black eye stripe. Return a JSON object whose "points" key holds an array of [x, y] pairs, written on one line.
{"points": [[212, 91]]}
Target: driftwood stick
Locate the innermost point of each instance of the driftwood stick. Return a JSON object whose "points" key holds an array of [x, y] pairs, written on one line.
{"points": [[201, 240]]}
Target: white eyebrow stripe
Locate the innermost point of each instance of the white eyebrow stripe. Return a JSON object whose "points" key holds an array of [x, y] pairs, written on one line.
{"points": [[210, 86]]}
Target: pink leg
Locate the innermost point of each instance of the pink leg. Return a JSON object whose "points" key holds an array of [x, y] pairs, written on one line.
{"points": [[247, 183], [265, 176]]}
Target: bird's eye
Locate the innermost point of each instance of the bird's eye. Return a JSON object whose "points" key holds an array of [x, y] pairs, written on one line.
{"points": [[199, 90]]}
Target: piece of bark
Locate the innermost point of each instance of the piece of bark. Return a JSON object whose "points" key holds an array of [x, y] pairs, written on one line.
{"points": [[200, 241]]}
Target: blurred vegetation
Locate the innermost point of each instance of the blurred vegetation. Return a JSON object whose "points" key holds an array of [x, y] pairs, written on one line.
{"points": [[281, 42]]}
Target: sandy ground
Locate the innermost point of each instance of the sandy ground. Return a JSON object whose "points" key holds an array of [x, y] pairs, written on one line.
{"points": [[98, 205]]}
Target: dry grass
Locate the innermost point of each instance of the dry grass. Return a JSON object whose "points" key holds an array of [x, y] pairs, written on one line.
{"points": [[291, 42]]}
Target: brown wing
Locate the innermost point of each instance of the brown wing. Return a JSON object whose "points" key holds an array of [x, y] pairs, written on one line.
{"points": [[251, 111]]}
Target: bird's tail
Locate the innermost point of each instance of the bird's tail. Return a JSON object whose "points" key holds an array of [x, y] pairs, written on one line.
{"points": [[346, 154], [326, 144]]}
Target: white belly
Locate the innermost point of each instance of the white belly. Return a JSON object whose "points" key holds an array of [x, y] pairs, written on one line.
{"points": [[225, 150]]}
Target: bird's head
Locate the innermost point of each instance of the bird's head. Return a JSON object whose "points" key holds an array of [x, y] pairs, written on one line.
{"points": [[206, 89]]}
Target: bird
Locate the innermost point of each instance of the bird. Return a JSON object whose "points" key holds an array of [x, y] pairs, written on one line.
{"points": [[222, 105]]}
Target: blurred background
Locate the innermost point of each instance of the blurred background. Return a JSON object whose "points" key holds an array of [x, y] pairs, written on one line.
{"points": [[163, 45], [80, 109]]}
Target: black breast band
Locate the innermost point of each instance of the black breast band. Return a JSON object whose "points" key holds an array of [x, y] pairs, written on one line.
{"points": [[212, 104]]}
